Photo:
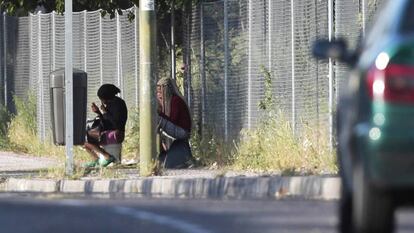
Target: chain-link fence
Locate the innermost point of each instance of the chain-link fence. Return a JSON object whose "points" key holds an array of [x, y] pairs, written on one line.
{"points": [[32, 47], [228, 44], [234, 42]]}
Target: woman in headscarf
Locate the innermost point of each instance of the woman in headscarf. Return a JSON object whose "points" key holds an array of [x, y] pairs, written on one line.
{"points": [[174, 125], [113, 114]]}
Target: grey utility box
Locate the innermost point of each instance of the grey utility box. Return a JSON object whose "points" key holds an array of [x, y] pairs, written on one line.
{"points": [[57, 108]]}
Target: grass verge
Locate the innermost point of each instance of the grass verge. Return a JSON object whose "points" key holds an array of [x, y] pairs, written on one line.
{"points": [[273, 147]]}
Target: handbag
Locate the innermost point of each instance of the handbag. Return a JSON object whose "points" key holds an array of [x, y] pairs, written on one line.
{"points": [[94, 129]]}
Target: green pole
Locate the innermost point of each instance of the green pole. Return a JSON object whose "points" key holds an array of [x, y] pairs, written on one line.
{"points": [[147, 101]]}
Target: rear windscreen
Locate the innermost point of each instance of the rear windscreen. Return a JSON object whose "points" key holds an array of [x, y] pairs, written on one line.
{"points": [[407, 23]]}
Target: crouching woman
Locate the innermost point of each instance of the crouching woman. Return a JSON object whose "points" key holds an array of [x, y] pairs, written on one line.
{"points": [[174, 125]]}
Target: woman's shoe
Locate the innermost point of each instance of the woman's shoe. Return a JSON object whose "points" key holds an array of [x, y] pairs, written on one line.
{"points": [[91, 164], [105, 162]]}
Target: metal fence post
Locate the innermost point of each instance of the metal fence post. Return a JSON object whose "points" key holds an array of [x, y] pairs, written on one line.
{"points": [[40, 80], [363, 17], [292, 12], [270, 34], [202, 68], [136, 54], [119, 54], [226, 67], [249, 67], [330, 74], [5, 58], [53, 40], [173, 60], [187, 62], [100, 49], [85, 41], [2, 58]]}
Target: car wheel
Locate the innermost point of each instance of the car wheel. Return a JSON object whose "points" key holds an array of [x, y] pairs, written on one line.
{"points": [[345, 211], [372, 209]]}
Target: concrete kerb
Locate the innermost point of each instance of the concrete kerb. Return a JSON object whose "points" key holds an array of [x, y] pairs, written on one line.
{"points": [[272, 187]]}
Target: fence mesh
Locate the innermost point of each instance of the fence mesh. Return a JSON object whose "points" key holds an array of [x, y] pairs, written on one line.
{"points": [[268, 34], [228, 45], [280, 64]]}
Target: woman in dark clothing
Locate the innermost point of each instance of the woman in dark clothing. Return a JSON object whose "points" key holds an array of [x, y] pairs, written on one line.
{"points": [[174, 125], [113, 114]]}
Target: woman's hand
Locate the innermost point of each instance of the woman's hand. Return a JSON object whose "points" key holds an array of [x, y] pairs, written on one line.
{"points": [[95, 108], [160, 99], [103, 109]]}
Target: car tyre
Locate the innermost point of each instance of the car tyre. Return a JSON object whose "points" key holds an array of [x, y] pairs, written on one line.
{"points": [[345, 211], [372, 209]]}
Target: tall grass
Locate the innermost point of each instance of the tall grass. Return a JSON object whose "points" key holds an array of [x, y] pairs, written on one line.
{"points": [[22, 133], [209, 150], [274, 147], [130, 146]]}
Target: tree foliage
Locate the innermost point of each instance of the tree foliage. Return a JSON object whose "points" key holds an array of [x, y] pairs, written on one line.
{"points": [[110, 7]]}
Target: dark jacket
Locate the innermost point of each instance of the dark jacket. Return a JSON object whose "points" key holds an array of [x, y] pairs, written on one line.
{"points": [[116, 115]]}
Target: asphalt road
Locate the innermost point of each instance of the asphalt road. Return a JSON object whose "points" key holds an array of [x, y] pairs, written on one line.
{"points": [[21, 214]]}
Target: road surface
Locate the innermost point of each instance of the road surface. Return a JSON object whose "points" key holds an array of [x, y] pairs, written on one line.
{"points": [[28, 213]]}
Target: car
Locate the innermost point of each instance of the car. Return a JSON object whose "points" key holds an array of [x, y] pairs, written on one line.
{"points": [[375, 120]]}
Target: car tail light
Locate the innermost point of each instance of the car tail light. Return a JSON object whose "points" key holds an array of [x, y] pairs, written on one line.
{"points": [[394, 83]]}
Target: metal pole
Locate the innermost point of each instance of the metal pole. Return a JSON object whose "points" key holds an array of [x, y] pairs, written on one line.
{"points": [[317, 79], [173, 60], [100, 50], [5, 58], [188, 53], [226, 68], [202, 68], [249, 68], [136, 54], [2, 56], [363, 18], [68, 88], [53, 40], [41, 84], [147, 29], [85, 41], [270, 35], [119, 53], [292, 12], [330, 74]]}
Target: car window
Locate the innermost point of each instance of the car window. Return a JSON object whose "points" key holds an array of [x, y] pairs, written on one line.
{"points": [[407, 24], [385, 21]]}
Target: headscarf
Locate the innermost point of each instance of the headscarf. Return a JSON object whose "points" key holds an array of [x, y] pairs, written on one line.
{"points": [[108, 91], [169, 89]]}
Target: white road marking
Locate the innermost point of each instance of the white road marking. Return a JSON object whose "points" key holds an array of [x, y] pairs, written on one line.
{"points": [[72, 202], [162, 220]]}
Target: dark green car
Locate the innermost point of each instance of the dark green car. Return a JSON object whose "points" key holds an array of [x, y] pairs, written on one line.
{"points": [[375, 121]]}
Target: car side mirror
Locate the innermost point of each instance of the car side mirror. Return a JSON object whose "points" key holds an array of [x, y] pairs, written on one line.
{"points": [[334, 49]]}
